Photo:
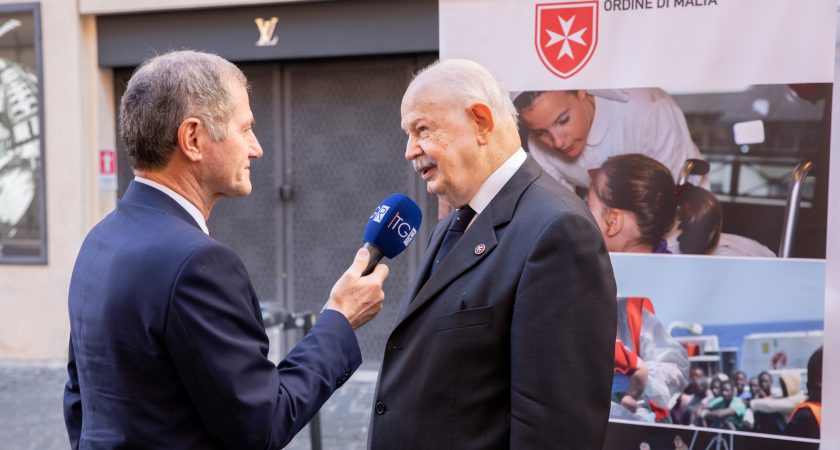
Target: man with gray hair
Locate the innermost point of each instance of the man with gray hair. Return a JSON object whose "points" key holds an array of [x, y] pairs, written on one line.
{"points": [[506, 339], [167, 344]]}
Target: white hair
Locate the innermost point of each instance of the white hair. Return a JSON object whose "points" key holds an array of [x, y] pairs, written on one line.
{"points": [[471, 82]]}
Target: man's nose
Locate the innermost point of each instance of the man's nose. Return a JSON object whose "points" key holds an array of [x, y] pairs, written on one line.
{"points": [[256, 150], [412, 150]]}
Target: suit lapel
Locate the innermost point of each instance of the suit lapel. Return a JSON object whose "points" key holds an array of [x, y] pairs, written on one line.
{"points": [[425, 264], [467, 252]]}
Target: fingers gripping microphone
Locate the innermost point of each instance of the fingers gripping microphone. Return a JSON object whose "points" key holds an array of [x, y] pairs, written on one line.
{"points": [[392, 226]]}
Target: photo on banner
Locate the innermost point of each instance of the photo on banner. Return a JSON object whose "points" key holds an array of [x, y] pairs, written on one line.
{"points": [[704, 159], [745, 164], [22, 197]]}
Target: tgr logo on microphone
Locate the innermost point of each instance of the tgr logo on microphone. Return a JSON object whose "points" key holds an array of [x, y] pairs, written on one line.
{"points": [[403, 229], [379, 213]]}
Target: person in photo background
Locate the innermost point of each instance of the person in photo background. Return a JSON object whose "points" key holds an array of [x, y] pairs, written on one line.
{"points": [[693, 400], [699, 224], [773, 411], [726, 410], [651, 368], [632, 198], [806, 419], [570, 132], [740, 380], [640, 210], [754, 389]]}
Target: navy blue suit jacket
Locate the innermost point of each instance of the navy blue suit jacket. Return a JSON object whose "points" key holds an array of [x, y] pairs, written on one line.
{"points": [[167, 344]]}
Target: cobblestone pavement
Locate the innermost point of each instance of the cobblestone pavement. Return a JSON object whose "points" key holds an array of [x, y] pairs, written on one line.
{"points": [[31, 415]]}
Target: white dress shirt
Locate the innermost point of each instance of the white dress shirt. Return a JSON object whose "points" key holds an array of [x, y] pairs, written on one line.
{"points": [[496, 181], [189, 207]]}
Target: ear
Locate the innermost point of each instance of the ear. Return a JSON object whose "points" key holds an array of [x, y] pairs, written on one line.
{"points": [[483, 118], [189, 139], [614, 219]]}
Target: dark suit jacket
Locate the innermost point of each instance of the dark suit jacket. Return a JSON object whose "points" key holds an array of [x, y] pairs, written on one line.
{"points": [[167, 345], [511, 347]]}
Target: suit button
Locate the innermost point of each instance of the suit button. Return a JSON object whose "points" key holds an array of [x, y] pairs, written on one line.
{"points": [[380, 408]]}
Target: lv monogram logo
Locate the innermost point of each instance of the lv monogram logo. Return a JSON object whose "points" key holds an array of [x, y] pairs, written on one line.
{"points": [[266, 29]]}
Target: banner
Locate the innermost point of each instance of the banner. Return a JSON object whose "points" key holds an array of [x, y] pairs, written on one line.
{"points": [[698, 131], [679, 45]]}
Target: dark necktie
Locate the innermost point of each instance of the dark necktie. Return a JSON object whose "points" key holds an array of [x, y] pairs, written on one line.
{"points": [[456, 229]]}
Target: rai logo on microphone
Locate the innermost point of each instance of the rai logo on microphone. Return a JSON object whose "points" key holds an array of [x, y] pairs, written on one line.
{"points": [[379, 213]]}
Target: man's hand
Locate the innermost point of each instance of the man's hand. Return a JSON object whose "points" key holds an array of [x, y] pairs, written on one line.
{"points": [[359, 298]]}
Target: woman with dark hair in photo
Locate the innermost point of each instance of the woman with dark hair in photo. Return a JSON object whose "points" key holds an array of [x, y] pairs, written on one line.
{"points": [[699, 223], [699, 218], [632, 198], [636, 204]]}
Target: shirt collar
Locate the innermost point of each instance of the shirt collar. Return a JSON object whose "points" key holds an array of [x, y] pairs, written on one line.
{"points": [[496, 181], [189, 207]]}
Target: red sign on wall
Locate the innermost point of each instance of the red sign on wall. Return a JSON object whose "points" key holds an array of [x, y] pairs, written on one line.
{"points": [[107, 162], [107, 170]]}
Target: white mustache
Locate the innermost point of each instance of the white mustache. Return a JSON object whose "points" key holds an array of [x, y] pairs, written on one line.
{"points": [[423, 163]]}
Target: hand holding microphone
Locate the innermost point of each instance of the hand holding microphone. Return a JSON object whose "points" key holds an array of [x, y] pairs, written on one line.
{"points": [[392, 226], [356, 296]]}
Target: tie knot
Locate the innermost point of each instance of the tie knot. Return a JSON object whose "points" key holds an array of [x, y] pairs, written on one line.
{"points": [[463, 216]]}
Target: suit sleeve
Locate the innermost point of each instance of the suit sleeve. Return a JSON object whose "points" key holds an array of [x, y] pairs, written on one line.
{"points": [[219, 348], [563, 340], [72, 400]]}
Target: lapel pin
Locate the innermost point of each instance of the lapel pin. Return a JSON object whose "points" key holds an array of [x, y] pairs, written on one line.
{"points": [[479, 249]]}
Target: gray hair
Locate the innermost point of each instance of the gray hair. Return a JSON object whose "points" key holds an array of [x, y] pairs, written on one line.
{"points": [[166, 90], [471, 82]]}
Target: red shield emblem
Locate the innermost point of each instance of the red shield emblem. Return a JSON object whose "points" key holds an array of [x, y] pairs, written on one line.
{"points": [[566, 34]]}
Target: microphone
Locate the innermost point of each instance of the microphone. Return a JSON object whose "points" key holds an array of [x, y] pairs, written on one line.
{"points": [[391, 227]]}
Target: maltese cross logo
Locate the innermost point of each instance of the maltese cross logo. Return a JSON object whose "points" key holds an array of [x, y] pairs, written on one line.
{"points": [[566, 34]]}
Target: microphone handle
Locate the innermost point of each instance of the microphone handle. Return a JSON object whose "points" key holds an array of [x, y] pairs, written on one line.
{"points": [[375, 256]]}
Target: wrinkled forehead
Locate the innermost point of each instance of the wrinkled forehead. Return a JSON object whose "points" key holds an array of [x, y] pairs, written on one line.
{"points": [[425, 102]]}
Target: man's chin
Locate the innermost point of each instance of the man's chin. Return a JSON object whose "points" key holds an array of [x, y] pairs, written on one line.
{"points": [[242, 190]]}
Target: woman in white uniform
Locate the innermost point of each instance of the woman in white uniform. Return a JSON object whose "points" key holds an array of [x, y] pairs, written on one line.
{"points": [[570, 132]]}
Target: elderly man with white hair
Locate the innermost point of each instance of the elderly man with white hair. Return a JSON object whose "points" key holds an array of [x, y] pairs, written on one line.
{"points": [[506, 338]]}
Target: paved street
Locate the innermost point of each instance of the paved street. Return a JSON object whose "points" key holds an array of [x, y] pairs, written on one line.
{"points": [[31, 410]]}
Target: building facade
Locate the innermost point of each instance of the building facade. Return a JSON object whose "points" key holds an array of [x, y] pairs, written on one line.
{"points": [[326, 82]]}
